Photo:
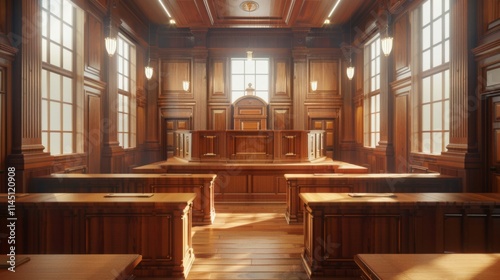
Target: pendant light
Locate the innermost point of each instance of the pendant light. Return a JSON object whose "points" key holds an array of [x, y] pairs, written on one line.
{"points": [[350, 68], [386, 41], [149, 70]]}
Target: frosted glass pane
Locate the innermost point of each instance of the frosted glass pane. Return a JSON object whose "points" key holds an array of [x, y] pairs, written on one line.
{"points": [[437, 31], [67, 117], [377, 82], [377, 98], [120, 65], [44, 50], [67, 37], [126, 50], [120, 102], [426, 90], [426, 142], [437, 142], [236, 94], [125, 123], [237, 66], [125, 141], [120, 122], [446, 5], [55, 143], [249, 79], [55, 86], [426, 117], [44, 23], [45, 84], [45, 4], [372, 104], [447, 51], [45, 115], [67, 143], [373, 50], [446, 76], [437, 8], [126, 69], [262, 83], [237, 82], [125, 104], [119, 47], [426, 38], [55, 116], [55, 55], [426, 13], [377, 122], [120, 81], [426, 60], [446, 115], [45, 141], [437, 55], [250, 67], [437, 87], [447, 26], [67, 60], [262, 67], [437, 116], [68, 12], [55, 7], [67, 90], [55, 29], [125, 84], [373, 84]]}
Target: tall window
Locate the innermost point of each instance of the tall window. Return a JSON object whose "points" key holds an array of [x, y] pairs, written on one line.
{"points": [[126, 95], [59, 28], [254, 72], [435, 73], [372, 92]]}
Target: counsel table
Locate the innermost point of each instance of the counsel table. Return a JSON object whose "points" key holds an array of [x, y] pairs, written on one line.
{"points": [[157, 227], [200, 184], [429, 266], [338, 226], [74, 267]]}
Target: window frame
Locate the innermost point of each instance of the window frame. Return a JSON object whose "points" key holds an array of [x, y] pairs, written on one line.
{"points": [[255, 85], [371, 135]]}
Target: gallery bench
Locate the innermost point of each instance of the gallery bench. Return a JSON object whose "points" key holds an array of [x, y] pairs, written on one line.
{"points": [[156, 226], [200, 184], [369, 183], [337, 227]]}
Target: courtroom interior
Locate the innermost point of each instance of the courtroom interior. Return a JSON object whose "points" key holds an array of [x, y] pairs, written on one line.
{"points": [[250, 139]]}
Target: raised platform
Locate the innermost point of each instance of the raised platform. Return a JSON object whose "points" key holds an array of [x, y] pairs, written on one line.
{"points": [[253, 182]]}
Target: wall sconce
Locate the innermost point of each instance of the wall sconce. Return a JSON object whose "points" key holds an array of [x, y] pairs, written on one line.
{"points": [[249, 55], [185, 85], [314, 85], [148, 71]]}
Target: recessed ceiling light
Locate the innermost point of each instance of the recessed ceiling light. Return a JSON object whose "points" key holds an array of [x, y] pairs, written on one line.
{"points": [[327, 21], [172, 21]]}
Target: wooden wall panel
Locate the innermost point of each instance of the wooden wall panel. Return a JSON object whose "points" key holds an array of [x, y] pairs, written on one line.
{"points": [[326, 73], [219, 118], [281, 79], [94, 40], [281, 117], [218, 78], [173, 72], [491, 14], [401, 137], [402, 44]]}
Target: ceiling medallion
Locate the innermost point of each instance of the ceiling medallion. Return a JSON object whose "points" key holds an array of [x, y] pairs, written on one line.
{"points": [[249, 6]]}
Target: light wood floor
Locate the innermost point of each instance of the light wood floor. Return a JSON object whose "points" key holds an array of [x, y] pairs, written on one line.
{"points": [[248, 241]]}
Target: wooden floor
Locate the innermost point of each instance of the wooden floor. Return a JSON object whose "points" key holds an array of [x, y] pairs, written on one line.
{"points": [[248, 241]]}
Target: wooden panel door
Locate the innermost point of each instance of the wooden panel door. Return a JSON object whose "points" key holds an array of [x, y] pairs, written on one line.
{"points": [[168, 128], [493, 149], [94, 134], [331, 135]]}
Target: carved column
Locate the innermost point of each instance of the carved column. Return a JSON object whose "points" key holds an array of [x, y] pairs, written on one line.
{"points": [[27, 154], [112, 152], [462, 158]]}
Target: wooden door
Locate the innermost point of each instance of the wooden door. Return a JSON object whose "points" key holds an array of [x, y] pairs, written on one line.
{"points": [[493, 149], [331, 135], [169, 126]]}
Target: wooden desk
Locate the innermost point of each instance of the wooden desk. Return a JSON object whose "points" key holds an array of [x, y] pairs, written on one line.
{"points": [[337, 227], [429, 266], [74, 267], [157, 227], [200, 184], [364, 183]]}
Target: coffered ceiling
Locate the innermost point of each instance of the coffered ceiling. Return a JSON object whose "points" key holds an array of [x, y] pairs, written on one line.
{"points": [[239, 14]]}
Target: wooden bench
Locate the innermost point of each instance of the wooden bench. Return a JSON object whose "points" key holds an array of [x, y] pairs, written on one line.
{"points": [[200, 184], [158, 227], [74, 267], [429, 266], [337, 227], [369, 183]]}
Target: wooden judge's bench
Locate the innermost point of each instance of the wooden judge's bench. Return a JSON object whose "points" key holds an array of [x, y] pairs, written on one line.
{"points": [[250, 164]]}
